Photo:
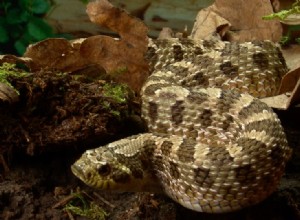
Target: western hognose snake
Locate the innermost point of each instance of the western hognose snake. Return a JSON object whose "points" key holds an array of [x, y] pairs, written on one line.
{"points": [[211, 146]]}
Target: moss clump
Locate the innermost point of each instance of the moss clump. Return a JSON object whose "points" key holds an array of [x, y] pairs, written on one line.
{"points": [[89, 209], [115, 95], [117, 92], [8, 70]]}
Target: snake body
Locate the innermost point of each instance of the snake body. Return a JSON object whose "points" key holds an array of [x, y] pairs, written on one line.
{"points": [[211, 146]]}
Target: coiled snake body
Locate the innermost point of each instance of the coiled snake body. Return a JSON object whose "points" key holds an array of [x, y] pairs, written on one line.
{"points": [[211, 147]]}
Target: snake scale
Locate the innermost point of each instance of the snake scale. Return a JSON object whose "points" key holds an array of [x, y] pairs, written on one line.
{"points": [[211, 146]]}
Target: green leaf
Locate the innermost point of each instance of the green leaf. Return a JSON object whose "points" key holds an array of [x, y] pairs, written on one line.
{"points": [[5, 5], [22, 43], [15, 31], [3, 35], [36, 6], [16, 16], [20, 47], [39, 29]]}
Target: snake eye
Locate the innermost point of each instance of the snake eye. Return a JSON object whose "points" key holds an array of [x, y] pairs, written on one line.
{"points": [[104, 170]]}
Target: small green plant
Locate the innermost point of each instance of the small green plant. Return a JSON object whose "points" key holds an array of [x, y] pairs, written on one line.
{"points": [[7, 70], [89, 209], [282, 15], [118, 93], [290, 17], [22, 23]]}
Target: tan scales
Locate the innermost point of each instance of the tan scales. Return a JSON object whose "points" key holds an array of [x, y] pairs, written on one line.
{"points": [[211, 145]]}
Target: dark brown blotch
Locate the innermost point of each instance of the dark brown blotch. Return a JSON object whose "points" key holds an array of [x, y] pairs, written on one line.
{"points": [[245, 174], [120, 177], [198, 51], [152, 111], [151, 54], [177, 112], [200, 78], [271, 127], [254, 107], [197, 97], [174, 172], [281, 59], [229, 70], [227, 99], [252, 147], [278, 155], [149, 147], [261, 60], [227, 122], [177, 53], [201, 176], [167, 95], [205, 118], [166, 148], [187, 150], [219, 156]]}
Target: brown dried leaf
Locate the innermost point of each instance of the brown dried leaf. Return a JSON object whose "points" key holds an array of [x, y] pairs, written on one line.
{"points": [[131, 29], [123, 58], [278, 102], [119, 60], [55, 53], [244, 18], [289, 81], [207, 23]]}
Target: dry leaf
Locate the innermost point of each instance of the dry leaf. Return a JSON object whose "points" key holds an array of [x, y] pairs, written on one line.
{"points": [[130, 29], [122, 58], [244, 18], [279, 102], [207, 23], [166, 33], [289, 80], [55, 53]]}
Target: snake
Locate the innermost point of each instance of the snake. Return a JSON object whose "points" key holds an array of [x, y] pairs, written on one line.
{"points": [[211, 144]]}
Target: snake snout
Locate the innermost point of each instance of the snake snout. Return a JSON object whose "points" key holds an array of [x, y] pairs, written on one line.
{"points": [[77, 171]]}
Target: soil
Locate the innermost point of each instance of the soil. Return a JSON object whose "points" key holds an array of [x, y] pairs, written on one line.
{"points": [[58, 117]]}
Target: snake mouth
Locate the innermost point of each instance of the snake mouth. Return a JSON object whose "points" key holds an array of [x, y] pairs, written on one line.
{"points": [[77, 171]]}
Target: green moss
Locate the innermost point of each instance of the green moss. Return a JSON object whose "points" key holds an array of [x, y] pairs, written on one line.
{"points": [[115, 94], [118, 92], [89, 209], [9, 70]]}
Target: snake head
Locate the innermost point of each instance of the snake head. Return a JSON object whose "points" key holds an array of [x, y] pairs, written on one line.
{"points": [[112, 167], [99, 169]]}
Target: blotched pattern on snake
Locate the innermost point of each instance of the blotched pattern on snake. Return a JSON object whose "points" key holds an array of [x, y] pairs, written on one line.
{"points": [[211, 146]]}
